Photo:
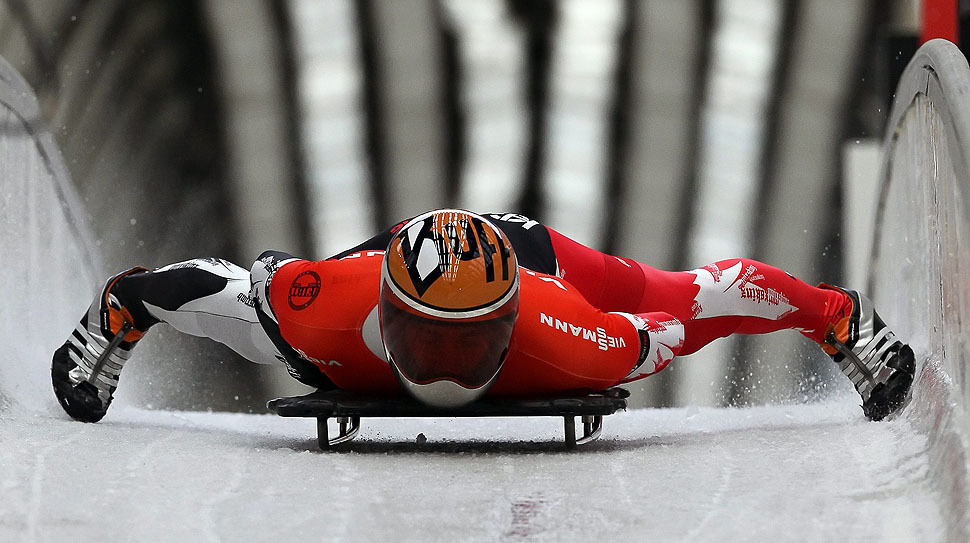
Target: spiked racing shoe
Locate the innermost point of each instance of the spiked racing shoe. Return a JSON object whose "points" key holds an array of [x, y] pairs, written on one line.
{"points": [[85, 370], [880, 366]]}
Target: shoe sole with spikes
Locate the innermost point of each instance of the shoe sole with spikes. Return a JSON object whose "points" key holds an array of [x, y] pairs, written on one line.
{"points": [[86, 368], [880, 367]]}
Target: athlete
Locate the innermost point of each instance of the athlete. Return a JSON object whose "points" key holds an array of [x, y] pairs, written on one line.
{"points": [[451, 305]]}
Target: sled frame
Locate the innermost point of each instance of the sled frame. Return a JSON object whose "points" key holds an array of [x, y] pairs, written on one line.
{"points": [[347, 410]]}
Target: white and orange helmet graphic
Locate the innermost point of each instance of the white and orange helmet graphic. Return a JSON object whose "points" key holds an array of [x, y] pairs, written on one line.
{"points": [[448, 302]]}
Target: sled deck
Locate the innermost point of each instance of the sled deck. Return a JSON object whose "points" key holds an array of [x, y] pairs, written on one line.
{"points": [[347, 409]]}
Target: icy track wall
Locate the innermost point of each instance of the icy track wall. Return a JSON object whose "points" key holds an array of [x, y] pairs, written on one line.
{"points": [[49, 262], [921, 273]]}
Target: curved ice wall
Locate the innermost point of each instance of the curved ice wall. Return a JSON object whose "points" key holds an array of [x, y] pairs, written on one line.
{"points": [[49, 263], [921, 273]]}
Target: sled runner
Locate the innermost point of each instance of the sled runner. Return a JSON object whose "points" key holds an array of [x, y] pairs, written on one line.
{"points": [[348, 409]]}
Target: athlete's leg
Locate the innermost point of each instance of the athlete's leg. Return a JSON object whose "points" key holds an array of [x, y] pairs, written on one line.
{"points": [[203, 297], [743, 296], [737, 296], [748, 297], [609, 283], [206, 297]]}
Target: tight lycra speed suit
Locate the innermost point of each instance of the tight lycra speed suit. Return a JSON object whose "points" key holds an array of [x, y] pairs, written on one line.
{"points": [[586, 320]]}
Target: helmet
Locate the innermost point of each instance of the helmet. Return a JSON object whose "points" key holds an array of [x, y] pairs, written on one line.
{"points": [[448, 301]]}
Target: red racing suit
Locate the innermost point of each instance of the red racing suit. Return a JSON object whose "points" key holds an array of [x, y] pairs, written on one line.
{"points": [[559, 343], [586, 320]]}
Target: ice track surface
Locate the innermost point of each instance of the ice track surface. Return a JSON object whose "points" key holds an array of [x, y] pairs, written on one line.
{"points": [[815, 472]]}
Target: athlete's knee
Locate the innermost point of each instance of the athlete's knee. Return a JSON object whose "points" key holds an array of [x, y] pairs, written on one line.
{"points": [[208, 265], [716, 280], [721, 266]]}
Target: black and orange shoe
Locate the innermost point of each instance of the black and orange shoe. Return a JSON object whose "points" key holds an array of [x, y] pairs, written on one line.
{"points": [[880, 366], [85, 370]]}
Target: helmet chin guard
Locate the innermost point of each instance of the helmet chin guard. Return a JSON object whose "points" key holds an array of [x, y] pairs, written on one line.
{"points": [[446, 394], [448, 302]]}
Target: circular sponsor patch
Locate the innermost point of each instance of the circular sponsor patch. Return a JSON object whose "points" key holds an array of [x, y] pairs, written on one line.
{"points": [[304, 290]]}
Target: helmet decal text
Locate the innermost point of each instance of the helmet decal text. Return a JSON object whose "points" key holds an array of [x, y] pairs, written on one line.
{"points": [[429, 256]]}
